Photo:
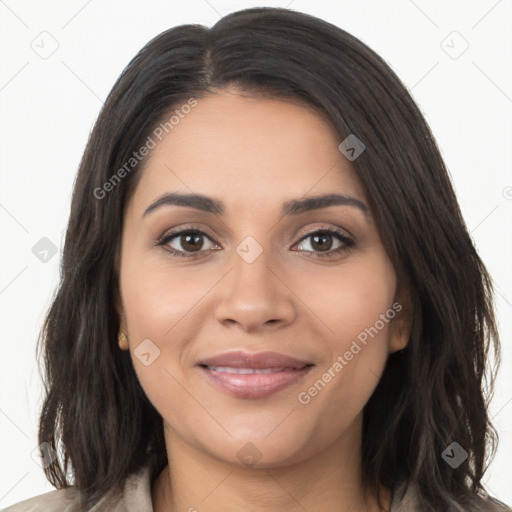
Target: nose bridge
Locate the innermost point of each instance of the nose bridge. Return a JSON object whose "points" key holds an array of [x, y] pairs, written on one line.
{"points": [[251, 294], [251, 269]]}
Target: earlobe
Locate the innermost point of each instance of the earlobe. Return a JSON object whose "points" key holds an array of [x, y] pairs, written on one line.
{"points": [[122, 341], [400, 334], [401, 325]]}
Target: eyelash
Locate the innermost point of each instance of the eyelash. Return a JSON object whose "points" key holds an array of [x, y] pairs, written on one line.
{"points": [[348, 243]]}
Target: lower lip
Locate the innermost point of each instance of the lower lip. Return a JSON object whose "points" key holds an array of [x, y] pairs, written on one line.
{"points": [[254, 385]]}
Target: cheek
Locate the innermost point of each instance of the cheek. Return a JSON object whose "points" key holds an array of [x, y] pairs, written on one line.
{"points": [[356, 304], [160, 302], [342, 386], [158, 297], [350, 299]]}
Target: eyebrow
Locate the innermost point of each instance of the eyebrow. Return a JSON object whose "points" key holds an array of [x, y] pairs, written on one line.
{"points": [[293, 207]]}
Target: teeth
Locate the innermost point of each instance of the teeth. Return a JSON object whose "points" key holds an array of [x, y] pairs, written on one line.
{"points": [[243, 371]]}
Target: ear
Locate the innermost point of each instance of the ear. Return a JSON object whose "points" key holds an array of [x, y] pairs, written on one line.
{"points": [[120, 311], [401, 324]]}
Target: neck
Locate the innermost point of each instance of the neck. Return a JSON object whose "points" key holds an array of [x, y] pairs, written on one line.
{"points": [[195, 481]]}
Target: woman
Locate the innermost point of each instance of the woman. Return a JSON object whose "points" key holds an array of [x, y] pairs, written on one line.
{"points": [[269, 298]]}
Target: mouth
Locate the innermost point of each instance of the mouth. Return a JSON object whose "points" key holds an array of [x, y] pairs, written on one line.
{"points": [[253, 376]]}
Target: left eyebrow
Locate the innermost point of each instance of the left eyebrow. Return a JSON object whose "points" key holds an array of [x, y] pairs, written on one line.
{"points": [[297, 206], [293, 207]]}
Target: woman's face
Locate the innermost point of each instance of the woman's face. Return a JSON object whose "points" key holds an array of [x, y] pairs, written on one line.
{"points": [[258, 280]]}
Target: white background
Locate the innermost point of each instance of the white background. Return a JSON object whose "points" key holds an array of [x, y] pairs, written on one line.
{"points": [[48, 107]]}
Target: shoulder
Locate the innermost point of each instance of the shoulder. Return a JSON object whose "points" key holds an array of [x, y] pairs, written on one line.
{"points": [[61, 500], [496, 506], [135, 497], [406, 499]]}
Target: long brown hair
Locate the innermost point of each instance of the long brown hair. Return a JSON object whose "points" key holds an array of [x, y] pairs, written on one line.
{"points": [[429, 396]]}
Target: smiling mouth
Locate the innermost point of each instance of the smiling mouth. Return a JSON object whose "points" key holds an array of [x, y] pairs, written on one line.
{"points": [[253, 375], [253, 383]]}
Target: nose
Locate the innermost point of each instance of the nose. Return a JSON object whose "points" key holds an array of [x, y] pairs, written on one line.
{"points": [[254, 295]]}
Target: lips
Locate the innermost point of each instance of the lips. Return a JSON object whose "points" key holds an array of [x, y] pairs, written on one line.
{"points": [[256, 361], [256, 375]]}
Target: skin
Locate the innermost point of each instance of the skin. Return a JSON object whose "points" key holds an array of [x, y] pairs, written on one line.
{"points": [[253, 155]]}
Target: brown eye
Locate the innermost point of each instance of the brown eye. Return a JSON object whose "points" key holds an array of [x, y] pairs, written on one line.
{"points": [[191, 242], [187, 242], [322, 240]]}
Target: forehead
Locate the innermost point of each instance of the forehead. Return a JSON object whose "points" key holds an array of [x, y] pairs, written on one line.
{"points": [[253, 153]]}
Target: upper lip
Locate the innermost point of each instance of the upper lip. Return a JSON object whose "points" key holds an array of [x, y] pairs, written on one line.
{"points": [[258, 360]]}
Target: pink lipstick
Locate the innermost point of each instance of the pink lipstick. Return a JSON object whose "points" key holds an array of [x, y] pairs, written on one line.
{"points": [[256, 375]]}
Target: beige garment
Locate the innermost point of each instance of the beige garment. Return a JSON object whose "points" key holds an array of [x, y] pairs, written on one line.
{"points": [[136, 497]]}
